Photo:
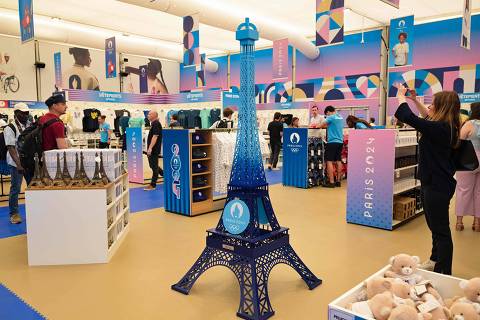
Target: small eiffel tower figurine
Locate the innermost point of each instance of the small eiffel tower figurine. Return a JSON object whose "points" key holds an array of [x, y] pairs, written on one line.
{"points": [[83, 174], [47, 181], [58, 180], [77, 179], [65, 174], [103, 174], [96, 180], [123, 163], [37, 176]]}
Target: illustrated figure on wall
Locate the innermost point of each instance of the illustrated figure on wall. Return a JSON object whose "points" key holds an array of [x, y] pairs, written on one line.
{"points": [[401, 49], [78, 76], [8, 80], [156, 82]]}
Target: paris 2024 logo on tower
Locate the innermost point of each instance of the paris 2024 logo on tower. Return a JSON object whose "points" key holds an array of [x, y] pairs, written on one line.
{"points": [[294, 144], [236, 216], [295, 138]]}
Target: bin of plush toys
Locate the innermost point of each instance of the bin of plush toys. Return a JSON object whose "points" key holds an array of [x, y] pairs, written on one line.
{"points": [[400, 291]]}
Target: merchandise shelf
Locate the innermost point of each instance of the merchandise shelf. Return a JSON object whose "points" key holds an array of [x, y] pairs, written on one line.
{"points": [[406, 168]]}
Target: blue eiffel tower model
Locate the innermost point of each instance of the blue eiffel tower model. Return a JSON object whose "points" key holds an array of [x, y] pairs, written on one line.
{"points": [[248, 238]]}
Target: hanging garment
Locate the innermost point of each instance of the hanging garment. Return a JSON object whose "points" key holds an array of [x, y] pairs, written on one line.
{"points": [[214, 116], [205, 118], [90, 120]]}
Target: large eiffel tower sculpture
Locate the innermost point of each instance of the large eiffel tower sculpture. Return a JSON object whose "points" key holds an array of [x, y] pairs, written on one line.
{"points": [[248, 238]]}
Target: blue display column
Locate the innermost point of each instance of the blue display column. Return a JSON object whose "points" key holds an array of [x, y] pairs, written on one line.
{"points": [[248, 238], [295, 157]]}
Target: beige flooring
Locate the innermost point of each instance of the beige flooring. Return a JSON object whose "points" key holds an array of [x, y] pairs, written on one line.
{"points": [[161, 247]]}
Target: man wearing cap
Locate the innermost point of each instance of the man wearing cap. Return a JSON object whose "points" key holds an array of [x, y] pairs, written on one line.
{"points": [[53, 135], [11, 133]]}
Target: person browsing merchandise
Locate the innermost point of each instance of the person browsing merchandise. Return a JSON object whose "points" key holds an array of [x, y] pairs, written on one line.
{"points": [[357, 123], [333, 149], [53, 133], [275, 129], [439, 129], [174, 121], [11, 133], [154, 145], [226, 122], [105, 132], [316, 122], [295, 122]]}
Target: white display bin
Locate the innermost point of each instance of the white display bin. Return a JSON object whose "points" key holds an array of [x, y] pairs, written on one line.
{"points": [[447, 286], [76, 226]]}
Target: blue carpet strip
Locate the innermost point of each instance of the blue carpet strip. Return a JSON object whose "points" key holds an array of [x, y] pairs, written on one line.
{"points": [[12, 307]]}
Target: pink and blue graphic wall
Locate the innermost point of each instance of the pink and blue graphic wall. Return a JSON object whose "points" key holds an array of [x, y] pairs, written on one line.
{"points": [[439, 63]]}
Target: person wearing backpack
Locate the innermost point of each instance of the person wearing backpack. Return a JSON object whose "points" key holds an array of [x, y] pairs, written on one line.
{"points": [[17, 173], [53, 130], [226, 122]]}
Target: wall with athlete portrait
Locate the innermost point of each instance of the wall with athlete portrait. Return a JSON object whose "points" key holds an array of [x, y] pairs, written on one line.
{"points": [[439, 62], [17, 70], [167, 79]]}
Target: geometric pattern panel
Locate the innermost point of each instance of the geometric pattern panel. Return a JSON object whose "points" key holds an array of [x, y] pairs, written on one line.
{"points": [[427, 82], [191, 40], [329, 22]]}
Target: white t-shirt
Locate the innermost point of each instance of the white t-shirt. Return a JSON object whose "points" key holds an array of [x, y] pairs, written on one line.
{"points": [[317, 120], [401, 53], [78, 77], [11, 138]]}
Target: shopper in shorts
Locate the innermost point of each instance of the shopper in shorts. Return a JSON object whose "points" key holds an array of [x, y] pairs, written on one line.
{"points": [[105, 132], [333, 149]]}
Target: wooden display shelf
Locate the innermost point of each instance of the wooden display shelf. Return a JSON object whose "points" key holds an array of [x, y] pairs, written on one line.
{"points": [[201, 145], [202, 159], [201, 173], [201, 188], [398, 223]]}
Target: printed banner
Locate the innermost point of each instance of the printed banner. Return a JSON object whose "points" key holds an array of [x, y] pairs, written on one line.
{"points": [[191, 40], [135, 155], [371, 158], [469, 97], [466, 24], [200, 82], [231, 100], [31, 104], [57, 62], [25, 11], [295, 157], [330, 22], [395, 3], [280, 60], [143, 79], [176, 168], [122, 97], [401, 41], [110, 58]]}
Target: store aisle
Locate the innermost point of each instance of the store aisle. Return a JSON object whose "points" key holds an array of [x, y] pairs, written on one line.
{"points": [[161, 247]]}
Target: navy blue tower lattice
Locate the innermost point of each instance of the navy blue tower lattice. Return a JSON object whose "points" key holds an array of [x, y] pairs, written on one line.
{"points": [[248, 238]]}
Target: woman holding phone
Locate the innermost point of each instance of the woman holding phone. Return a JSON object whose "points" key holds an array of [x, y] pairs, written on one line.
{"points": [[439, 128]]}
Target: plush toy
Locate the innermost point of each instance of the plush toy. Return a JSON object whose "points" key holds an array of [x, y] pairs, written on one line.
{"points": [[403, 293], [463, 311], [471, 292], [374, 286], [403, 266], [406, 312], [379, 307], [438, 313]]}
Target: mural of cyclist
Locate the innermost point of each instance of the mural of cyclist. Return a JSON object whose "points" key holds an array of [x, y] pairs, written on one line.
{"points": [[78, 76], [8, 80], [156, 83]]}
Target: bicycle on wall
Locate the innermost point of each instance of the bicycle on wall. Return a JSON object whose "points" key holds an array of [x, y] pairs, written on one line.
{"points": [[9, 82]]}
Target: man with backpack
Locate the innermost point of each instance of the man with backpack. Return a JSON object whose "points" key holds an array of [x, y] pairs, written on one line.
{"points": [[53, 130], [17, 173], [226, 122]]}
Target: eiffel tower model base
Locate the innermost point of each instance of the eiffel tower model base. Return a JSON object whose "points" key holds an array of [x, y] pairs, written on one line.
{"points": [[251, 260]]}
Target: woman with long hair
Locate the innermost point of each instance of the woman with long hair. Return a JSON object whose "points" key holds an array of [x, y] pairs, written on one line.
{"points": [[468, 182], [439, 129], [357, 123]]}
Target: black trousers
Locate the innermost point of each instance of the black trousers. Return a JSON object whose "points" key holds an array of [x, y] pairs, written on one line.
{"points": [[104, 145], [275, 152], [436, 206], [153, 162]]}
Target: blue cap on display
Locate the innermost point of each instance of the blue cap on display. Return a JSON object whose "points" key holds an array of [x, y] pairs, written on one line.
{"points": [[197, 139], [199, 196], [198, 168]]}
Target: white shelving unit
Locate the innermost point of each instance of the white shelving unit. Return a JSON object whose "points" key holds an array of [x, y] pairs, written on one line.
{"points": [[77, 226]]}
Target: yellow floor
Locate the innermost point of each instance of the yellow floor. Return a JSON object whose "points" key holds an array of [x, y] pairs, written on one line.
{"points": [[161, 247]]}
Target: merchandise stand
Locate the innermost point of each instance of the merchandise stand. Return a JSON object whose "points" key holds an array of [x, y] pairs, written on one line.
{"points": [[303, 159], [383, 190], [77, 225], [181, 196]]}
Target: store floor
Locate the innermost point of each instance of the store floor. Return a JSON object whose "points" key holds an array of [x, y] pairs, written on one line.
{"points": [[161, 247]]}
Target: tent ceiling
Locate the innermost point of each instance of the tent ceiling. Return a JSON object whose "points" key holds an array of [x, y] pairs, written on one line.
{"points": [[297, 15]]}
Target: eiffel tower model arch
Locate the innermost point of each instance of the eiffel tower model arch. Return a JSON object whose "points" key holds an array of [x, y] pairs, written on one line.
{"points": [[248, 238]]}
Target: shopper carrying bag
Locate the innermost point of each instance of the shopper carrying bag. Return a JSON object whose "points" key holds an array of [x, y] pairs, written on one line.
{"points": [[468, 181], [439, 129]]}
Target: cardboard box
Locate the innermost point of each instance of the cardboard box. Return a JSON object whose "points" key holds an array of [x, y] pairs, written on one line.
{"points": [[447, 286], [403, 208]]}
